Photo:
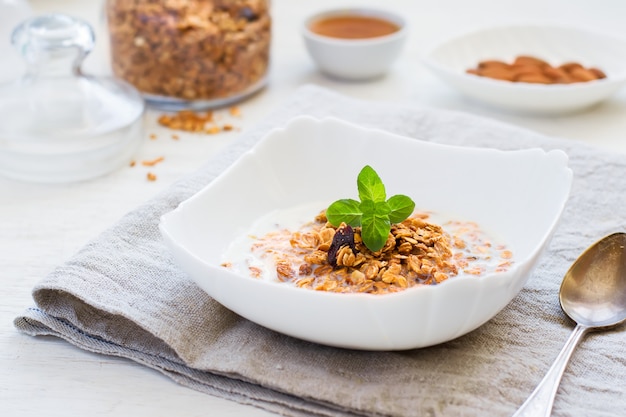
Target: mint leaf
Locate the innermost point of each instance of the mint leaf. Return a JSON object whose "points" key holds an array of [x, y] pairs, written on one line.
{"points": [[378, 208], [367, 206], [373, 213], [346, 210], [401, 208], [375, 230], [370, 185], [382, 209]]}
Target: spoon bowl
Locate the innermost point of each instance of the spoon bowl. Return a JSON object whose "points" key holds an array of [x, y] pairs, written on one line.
{"points": [[593, 294]]}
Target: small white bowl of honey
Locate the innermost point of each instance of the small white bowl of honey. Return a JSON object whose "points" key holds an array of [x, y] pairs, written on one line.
{"points": [[355, 44]]}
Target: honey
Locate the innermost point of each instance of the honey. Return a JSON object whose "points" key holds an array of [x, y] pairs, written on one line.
{"points": [[353, 27]]}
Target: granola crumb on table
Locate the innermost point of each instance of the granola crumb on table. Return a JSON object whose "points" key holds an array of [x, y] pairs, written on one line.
{"points": [[197, 122], [186, 120], [417, 252], [152, 162]]}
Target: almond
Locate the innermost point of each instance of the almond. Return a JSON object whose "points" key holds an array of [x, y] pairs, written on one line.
{"points": [[582, 74], [597, 72], [538, 78], [557, 75], [529, 60], [498, 73], [492, 64], [570, 66]]}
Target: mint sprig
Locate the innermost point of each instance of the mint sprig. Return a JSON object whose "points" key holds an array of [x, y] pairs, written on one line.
{"points": [[374, 213]]}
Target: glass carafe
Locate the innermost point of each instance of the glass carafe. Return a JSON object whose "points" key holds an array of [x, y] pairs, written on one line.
{"points": [[12, 12], [56, 123]]}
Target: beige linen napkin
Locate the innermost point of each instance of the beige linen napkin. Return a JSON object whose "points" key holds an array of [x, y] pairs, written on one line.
{"points": [[123, 295]]}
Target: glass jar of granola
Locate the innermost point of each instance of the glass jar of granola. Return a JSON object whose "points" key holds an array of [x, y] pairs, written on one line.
{"points": [[190, 53]]}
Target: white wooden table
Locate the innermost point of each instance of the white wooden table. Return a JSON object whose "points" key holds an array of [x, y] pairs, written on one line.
{"points": [[43, 225]]}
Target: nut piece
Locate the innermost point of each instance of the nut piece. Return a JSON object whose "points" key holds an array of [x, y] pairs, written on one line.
{"points": [[525, 60], [598, 73], [534, 78], [582, 74], [498, 73]]}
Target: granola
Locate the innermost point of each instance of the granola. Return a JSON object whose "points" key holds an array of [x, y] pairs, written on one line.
{"points": [[417, 252], [190, 49]]}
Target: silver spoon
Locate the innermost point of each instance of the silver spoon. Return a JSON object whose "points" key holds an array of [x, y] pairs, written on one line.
{"points": [[593, 294]]}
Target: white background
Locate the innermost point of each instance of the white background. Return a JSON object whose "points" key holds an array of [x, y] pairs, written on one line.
{"points": [[43, 225]]}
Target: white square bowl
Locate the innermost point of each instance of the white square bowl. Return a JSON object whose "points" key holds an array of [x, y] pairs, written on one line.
{"points": [[555, 44], [517, 196]]}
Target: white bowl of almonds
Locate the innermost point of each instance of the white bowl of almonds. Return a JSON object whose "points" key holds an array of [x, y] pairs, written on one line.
{"points": [[532, 68], [368, 250]]}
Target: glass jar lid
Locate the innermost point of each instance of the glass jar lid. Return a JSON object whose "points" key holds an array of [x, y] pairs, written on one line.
{"points": [[56, 123]]}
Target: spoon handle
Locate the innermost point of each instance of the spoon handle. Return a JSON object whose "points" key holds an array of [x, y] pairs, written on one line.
{"points": [[539, 404]]}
